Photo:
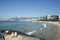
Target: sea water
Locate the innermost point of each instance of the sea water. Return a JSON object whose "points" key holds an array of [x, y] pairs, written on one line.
{"points": [[37, 29]]}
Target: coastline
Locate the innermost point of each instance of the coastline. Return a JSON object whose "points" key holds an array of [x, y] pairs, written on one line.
{"points": [[49, 22], [57, 36]]}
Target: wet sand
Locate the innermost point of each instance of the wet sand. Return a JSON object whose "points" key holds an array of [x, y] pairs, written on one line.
{"points": [[57, 34]]}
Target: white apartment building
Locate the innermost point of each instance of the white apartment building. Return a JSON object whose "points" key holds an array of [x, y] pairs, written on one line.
{"points": [[48, 17], [59, 17]]}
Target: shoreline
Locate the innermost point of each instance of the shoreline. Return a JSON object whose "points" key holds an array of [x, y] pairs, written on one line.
{"points": [[57, 36], [49, 22]]}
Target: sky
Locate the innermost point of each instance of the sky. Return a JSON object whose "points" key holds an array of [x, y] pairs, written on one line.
{"points": [[28, 8]]}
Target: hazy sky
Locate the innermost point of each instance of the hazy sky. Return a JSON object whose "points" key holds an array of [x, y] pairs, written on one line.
{"points": [[28, 8]]}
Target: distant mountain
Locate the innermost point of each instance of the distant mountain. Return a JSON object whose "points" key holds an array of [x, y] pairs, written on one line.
{"points": [[17, 19], [22, 19], [14, 19], [2, 19]]}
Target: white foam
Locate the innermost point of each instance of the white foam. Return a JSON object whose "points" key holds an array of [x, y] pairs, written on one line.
{"points": [[45, 25], [29, 33]]}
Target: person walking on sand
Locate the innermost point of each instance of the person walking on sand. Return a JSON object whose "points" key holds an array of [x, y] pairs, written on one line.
{"points": [[15, 34]]}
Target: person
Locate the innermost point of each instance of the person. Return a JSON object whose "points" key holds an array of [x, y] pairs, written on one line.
{"points": [[7, 32], [12, 34], [15, 34], [2, 36]]}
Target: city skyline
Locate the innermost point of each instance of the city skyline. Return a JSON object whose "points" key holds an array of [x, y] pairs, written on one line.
{"points": [[28, 8]]}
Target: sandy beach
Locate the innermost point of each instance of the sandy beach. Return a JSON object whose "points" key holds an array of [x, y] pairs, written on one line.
{"points": [[57, 36]]}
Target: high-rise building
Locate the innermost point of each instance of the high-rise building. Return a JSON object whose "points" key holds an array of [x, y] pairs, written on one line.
{"points": [[48, 17], [59, 17]]}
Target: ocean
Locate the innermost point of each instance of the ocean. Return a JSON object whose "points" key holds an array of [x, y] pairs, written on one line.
{"points": [[30, 28]]}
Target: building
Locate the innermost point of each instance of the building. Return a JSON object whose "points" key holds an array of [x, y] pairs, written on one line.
{"points": [[48, 17], [59, 17], [43, 19], [52, 17]]}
